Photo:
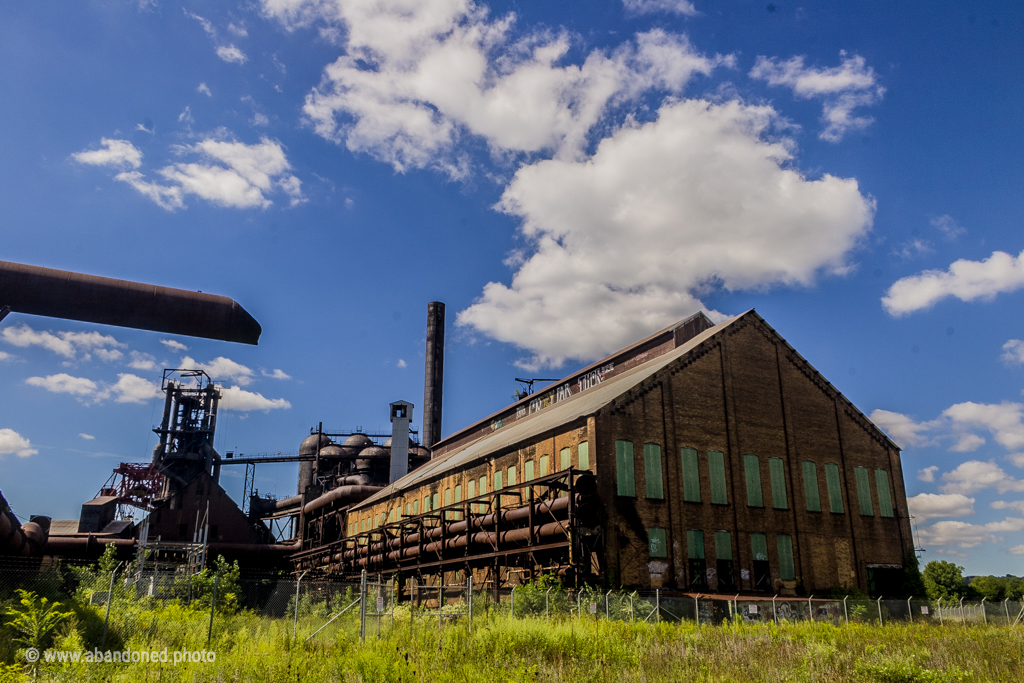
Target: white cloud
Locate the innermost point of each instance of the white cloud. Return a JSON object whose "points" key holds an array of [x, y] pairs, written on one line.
{"points": [[236, 398], [964, 535], [401, 363], [109, 355], [238, 30], [975, 475], [165, 197], [1017, 505], [221, 369], [1017, 550], [417, 77], [957, 426], [843, 88], [87, 437], [912, 249], [966, 280], [141, 128], [13, 442], [64, 383], [66, 344], [142, 361], [684, 7], [1013, 352], [625, 241], [948, 226], [231, 54], [5, 356], [119, 153], [902, 428], [131, 389], [925, 506], [928, 473], [276, 374], [259, 119], [207, 26], [174, 345], [1002, 420], [204, 89], [186, 115]]}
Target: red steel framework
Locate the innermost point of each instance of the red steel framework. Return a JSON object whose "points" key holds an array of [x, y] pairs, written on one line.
{"points": [[135, 485]]}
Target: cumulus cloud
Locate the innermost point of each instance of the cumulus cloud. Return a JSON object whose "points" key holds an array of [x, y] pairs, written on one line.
{"points": [[128, 388], [842, 89], [5, 356], [13, 442], [174, 345], [236, 398], [965, 535], [401, 363], [1017, 505], [928, 473], [1017, 550], [965, 280], [231, 54], [87, 437], [276, 374], [64, 383], [222, 369], [625, 241], [1013, 352], [975, 475], [228, 173], [204, 89], [957, 426], [683, 7], [120, 153], [903, 429], [925, 506], [142, 361], [70, 345]]}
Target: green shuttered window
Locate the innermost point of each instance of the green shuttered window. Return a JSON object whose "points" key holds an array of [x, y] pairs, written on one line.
{"points": [[471, 489], [497, 481], [565, 455], [511, 476], [447, 496], [884, 497], [584, 455], [436, 503], [652, 470], [811, 486], [483, 485], [716, 471], [691, 475], [777, 470], [835, 488], [528, 471], [752, 468], [458, 493], [624, 468], [759, 545], [695, 544], [723, 545], [658, 544], [545, 465], [787, 571], [863, 490]]}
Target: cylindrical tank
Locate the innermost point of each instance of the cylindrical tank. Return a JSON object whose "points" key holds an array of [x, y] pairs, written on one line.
{"points": [[308, 447]]}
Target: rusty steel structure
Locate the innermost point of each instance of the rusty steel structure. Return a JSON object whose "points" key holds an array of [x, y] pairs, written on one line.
{"points": [[135, 485], [63, 294], [549, 524]]}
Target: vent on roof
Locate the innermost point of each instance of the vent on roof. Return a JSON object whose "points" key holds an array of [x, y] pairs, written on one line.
{"points": [[691, 327]]}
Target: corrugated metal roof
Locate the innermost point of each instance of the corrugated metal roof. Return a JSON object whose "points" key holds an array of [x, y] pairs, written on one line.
{"points": [[578, 405], [64, 527]]}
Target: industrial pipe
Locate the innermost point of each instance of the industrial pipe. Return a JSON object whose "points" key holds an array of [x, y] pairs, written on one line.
{"points": [[347, 494], [93, 299]]}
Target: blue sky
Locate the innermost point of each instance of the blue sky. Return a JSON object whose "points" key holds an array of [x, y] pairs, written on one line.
{"points": [[566, 176]]}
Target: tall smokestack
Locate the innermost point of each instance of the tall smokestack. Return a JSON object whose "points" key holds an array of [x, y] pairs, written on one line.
{"points": [[433, 385]]}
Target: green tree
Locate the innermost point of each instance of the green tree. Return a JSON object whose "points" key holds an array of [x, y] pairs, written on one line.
{"points": [[35, 621], [945, 580], [991, 587]]}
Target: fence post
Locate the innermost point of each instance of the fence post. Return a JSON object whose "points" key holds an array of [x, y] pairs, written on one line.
{"points": [[547, 610], [412, 603], [846, 613], [579, 604], [213, 608], [469, 591], [512, 602], [775, 613], [295, 621], [362, 606], [110, 598], [810, 608], [910, 609], [963, 619], [607, 613], [657, 602], [696, 608], [983, 615], [879, 610], [631, 616], [1006, 607], [941, 621]]}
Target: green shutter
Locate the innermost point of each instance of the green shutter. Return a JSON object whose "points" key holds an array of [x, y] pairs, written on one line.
{"points": [[416, 507], [471, 486], [545, 462], [759, 544], [691, 475], [723, 545], [624, 468], [447, 496], [652, 470], [811, 486], [436, 501], [658, 544], [835, 488], [483, 485], [566, 455], [884, 497], [752, 467], [716, 471], [777, 470], [528, 471], [695, 544], [584, 456], [863, 490], [497, 481], [787, 572], [458, 493], [511, 476]]}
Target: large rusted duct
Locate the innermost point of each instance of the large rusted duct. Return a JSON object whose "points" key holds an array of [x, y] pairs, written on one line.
{"points": [[21, 540], [91, 547], [343, 494], [93, 299]]}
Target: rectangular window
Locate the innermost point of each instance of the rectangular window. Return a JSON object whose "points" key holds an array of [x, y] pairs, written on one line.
{"points": [[777, 470], [376, 521], [436, 502], [835, 488], [624, 468], [696, 562], [528, 471], [471, 489], [811, 486], [652, 470], [483, 485], [416, 506], [497, 481], [447, 497], [545, 462], [759, 546], [723, 545], [716, 471], [884, 497], [584, 456], [511, 476], [691, 475], [863, 490], [408, 509], [391, 517], [752, 468], [362, 525], [658, 544], [723, 561], [695, 544], [787, 571], [565, 456], [458, 493]]}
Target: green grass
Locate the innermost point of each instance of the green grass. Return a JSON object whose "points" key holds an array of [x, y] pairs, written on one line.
{"points": [[250, 647]]}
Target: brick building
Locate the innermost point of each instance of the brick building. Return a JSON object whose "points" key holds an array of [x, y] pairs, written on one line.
{"points": [[723, 462]]}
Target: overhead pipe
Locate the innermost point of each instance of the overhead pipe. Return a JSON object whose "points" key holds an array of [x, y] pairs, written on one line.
{"points": [[89, 298], [345, 494]]}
